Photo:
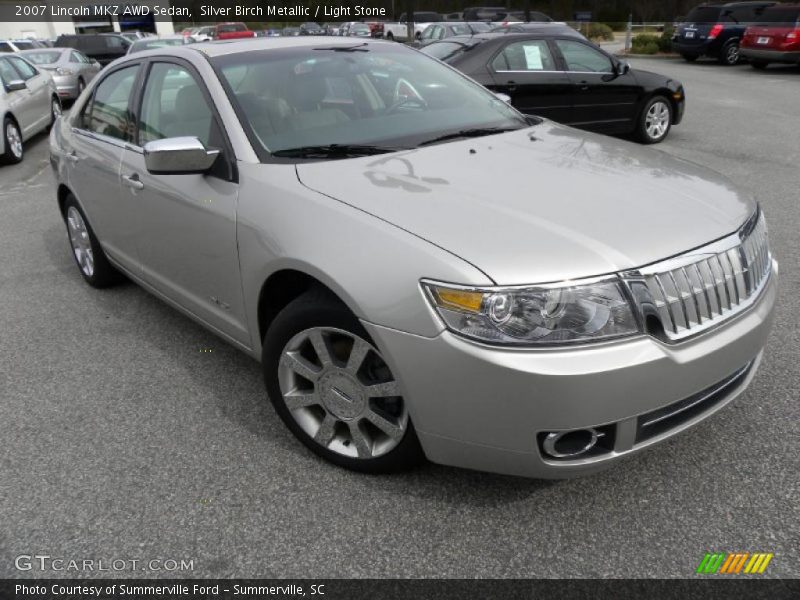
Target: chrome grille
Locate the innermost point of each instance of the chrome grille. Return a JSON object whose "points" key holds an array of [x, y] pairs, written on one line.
{"points": [[698, 290]]}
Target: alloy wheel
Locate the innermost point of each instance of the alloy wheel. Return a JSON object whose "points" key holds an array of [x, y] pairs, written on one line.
{"points": [[55, 108], [732, 54], [14, 139], [657, 120], [342, 393], [80, 241]]}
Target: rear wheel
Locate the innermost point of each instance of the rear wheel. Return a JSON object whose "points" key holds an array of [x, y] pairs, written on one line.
{"points": [[729, 55], [86, 249], [13, 141], [334, 391], [655, 121]]}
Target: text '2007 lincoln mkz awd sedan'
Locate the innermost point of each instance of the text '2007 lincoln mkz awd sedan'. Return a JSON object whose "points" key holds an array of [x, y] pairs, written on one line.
{"points": [[330, 206]]}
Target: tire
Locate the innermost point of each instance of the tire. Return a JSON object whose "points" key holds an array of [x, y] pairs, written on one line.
{"points": [[356, 430], [55, 111], [12, 137], [390, 36], [655, 120], [86, 250], [759, 64], [729, 55], [689, 57], [81, 87]]}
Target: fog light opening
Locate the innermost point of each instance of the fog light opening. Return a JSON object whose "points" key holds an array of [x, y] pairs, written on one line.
{"points": [[570, 444]]}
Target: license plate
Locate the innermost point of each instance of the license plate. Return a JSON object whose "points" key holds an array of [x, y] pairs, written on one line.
{"points": [[688, 34], [762, 40]]}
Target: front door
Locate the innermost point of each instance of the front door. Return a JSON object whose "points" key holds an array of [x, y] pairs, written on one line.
{"points": [[37, 102], [187, 243], [527, 71], [603, 100]]}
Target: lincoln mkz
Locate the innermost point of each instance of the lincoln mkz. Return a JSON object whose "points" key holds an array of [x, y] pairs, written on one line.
{"points": [[421, 270]]}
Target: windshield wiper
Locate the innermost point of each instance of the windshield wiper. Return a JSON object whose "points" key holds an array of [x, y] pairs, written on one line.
{"points": [[334, 151], [469, 133]]}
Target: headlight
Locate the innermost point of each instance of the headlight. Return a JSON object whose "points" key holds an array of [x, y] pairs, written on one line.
{"points": [[553, 314], [64, 71]]}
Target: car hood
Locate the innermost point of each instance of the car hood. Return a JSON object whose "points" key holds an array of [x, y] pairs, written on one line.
{"points": [[541, 204]]}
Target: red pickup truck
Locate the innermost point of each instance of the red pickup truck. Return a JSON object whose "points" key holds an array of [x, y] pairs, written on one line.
{"points": [[230, 31]]}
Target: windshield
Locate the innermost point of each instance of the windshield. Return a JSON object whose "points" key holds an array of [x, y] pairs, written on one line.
{"points": [[781, 17], [43, 57], [365, 93]]}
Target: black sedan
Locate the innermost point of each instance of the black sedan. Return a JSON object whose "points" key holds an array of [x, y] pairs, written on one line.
{"points": [[563, 77]]}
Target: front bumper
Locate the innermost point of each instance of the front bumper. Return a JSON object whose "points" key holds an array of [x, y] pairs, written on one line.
{"points": [[783, 56], [482, 407]]}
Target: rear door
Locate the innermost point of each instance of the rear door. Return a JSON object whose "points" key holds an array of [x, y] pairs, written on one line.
{"points": [[527, 71], [187, 242], [98, 139], [602, 100]]}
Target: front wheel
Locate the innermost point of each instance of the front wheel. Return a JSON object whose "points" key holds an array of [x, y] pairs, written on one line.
{"points": [[89, 256], [334, 391], [655, 121]]}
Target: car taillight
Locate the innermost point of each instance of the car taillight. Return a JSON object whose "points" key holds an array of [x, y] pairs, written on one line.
{"points": [[793, 36], [715, 31]]}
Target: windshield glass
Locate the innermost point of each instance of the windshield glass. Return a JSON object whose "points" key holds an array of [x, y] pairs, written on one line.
{"points": [[781, 17], [369, 94], [704, 14], [24, 45], [152, 44], [43, 57]]}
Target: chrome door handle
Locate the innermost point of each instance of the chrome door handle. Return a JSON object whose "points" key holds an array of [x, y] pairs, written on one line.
{"points": [[72, 157], [132, 181]]}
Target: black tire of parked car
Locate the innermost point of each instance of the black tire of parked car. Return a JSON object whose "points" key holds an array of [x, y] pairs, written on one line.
{"points": [[689, 57], [54, 102], [390, 36], [81, 86], [641, 130], [729, 55], [104, 275], [320, 308], [8, 156]]}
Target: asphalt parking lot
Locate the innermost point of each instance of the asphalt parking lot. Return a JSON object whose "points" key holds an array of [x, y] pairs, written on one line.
{"points": [[129, 432]]}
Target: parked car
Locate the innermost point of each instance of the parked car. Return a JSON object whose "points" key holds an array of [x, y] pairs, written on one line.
{"points": [[715, 30], [775, 38], [230, 31], [399, 31], [359, 30], [28, 104], [70, 69], [290, 32], [440, 31], [102, 47], [18, 45], [202, 34], [311, 29], [404, 302], [563, 77], [512, 27], [331, 28], [160, 41], [132, 36]]}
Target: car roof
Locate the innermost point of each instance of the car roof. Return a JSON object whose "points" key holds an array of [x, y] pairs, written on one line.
{"points": [[236, 46]]}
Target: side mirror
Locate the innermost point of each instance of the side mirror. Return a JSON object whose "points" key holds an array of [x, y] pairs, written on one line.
{"points": [[16, 85], [623, 68], [504, 97], [97, 64], [178, 156]]}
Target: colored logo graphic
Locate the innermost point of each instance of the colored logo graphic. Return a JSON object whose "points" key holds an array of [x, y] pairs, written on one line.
{"points": [[734, 563]]}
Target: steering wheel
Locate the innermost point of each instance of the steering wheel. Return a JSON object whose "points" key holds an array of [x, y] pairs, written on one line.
{"points": [[405, 94]]}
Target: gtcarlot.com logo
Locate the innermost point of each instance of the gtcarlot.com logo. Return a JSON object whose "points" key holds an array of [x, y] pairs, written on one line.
{"points": [[734, 563], [44, 562]]}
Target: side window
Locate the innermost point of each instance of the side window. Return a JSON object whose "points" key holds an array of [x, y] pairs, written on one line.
{"points": [[5, 47], [23, 68], [584, 59], [109, 113], [74, 57], [115, 42], [529, 55], [174, 106], [7, 72]]}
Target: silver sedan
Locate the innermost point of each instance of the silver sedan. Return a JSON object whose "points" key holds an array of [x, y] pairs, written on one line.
{"points": [[332, 208], [71, 69]]}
